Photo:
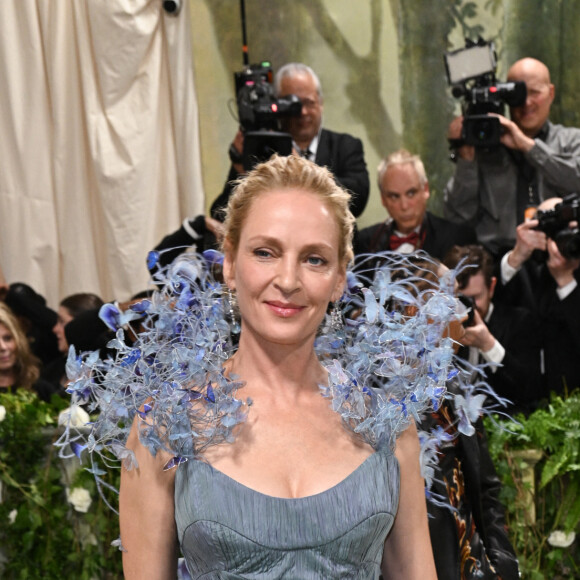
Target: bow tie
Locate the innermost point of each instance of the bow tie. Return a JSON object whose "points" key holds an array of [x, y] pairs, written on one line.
{"points": [[396, 241]]}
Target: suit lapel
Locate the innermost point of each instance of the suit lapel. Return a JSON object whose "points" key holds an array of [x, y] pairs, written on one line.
{"points": [[323, 155]]}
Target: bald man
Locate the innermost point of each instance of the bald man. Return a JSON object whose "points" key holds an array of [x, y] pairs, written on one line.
{"points": [[493, 187]]}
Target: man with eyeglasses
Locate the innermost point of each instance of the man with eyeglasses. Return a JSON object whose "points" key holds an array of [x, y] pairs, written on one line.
{"points": [[493, 188], [340, 152]]}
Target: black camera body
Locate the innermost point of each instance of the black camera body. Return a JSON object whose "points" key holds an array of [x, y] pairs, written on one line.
{"points": [[471, 74], [555, 224], [469, 304], [260, 114]]}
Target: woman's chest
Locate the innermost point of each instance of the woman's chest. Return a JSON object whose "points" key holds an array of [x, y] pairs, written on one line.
{"points": [[290, 455]]}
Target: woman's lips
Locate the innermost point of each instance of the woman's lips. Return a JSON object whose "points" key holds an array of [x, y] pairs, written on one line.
{"points": [[284, 309]]}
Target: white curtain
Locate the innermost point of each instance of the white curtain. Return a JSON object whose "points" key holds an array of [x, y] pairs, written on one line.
{"points": [[99, 143]]}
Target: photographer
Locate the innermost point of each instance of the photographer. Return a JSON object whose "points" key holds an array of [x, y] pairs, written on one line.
{"points": [[340, 152], [550, 286], [508, 338], [492, 187]]}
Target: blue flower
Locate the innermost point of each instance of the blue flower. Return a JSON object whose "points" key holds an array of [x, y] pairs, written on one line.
{"points": [[152, 259]]}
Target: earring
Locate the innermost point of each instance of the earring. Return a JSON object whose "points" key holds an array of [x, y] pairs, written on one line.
{"points": [[233, 310], [336, 322]]}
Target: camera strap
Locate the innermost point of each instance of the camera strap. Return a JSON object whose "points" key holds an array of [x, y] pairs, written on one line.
{"points": [[526, 187]]}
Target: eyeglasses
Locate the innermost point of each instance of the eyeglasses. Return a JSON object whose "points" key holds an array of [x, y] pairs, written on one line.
{"points": [[309, 103]]}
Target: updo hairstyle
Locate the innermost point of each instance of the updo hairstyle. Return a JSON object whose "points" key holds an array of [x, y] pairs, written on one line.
{"points": [[290, 172]]}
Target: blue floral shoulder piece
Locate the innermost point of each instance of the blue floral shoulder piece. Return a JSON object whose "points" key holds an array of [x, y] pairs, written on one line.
{"points": [[164, 366], [387, 364]]}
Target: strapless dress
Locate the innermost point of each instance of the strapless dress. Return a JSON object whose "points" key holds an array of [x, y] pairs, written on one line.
{"points": [[229, 531]]}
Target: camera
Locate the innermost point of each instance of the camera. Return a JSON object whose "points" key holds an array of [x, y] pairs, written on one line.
{"points": [[555, 224], [469, 304], [471, 75], [260, 114]]}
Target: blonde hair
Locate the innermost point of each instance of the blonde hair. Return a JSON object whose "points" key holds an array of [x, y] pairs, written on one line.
{"points": [[291, 172], [26, 368]]}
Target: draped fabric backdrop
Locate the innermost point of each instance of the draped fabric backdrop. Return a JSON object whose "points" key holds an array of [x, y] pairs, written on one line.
{"points": [[99, 146]]}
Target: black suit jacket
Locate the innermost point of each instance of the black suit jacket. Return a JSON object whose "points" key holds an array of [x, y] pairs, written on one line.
{"points": [[559, 322], [519, 376], [342, 154], [344, 157], [440, 236]]}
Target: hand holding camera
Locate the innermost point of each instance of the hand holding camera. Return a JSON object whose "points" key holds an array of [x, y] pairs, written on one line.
{"points": [[471, 74], [478, 334], [528, 239], [511, 135]]}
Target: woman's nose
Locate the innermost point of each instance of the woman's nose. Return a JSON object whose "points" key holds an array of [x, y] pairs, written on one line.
{"points": [[288, 278]]}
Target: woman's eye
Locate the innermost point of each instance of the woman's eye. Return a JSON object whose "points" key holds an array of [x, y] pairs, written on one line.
{"points": [[316, 261], [262, 253]]}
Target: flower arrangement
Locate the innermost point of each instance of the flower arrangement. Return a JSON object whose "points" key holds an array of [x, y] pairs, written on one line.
{"points": [[543, 527], [53, 522]]}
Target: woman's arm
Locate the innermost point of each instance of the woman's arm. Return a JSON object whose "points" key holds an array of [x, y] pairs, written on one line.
{"points": [[408, 554], [146, 514]]}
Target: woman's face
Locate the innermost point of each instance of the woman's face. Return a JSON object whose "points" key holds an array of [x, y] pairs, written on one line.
{"points": [[286, 268], [64, 317], [7, 349]]}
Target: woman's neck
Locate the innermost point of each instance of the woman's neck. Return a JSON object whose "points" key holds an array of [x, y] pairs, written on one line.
{"points": [[292, 369], [6, 378]]}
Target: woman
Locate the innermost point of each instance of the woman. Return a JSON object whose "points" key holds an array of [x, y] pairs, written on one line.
{"points": [[276, 486], [19, 368], [70, 308]]}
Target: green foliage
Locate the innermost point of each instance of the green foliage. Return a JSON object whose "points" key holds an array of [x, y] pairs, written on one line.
{"points": [[41, 534], [555, 433]]}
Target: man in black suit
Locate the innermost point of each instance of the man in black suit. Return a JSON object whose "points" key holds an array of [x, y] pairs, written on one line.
{"points": [[508, 338], [535, 273], [340, 152], [404, 194]]}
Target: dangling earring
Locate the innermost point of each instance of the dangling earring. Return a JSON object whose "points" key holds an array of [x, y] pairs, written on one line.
{"points": [[233, 309], [336, 322]]}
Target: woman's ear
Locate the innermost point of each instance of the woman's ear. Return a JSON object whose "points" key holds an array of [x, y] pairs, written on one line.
{"points": [[229, 269], [340, 284]]}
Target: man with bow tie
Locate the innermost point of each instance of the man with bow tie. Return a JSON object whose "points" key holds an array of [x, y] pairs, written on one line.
{"points": [[404, 194]]}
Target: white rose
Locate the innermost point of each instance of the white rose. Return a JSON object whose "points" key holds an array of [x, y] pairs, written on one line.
{"points": [[559, 539], [2, 413], [12, 516], [74, 416], [80, 498]]}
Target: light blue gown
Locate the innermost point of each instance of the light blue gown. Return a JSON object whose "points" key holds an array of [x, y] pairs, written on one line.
{"points": [[229, 531]]}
